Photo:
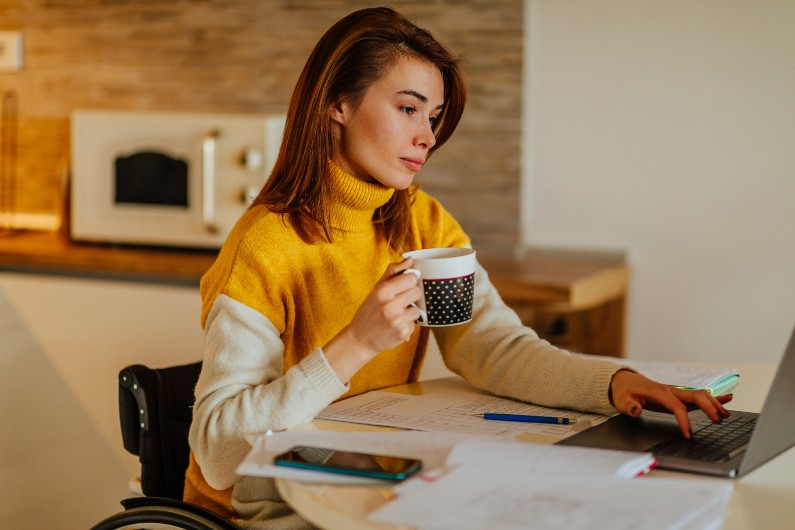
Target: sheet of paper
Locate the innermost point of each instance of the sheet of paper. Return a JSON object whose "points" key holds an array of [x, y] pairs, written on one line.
{"points": [[473, 498], [452, 408], [550, 459], [430, 447]]}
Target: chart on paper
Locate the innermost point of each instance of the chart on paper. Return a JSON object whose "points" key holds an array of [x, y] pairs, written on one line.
{"points": [[451, 408]]}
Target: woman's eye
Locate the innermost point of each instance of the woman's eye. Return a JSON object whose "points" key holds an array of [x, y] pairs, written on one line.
{"points": [[408, 110], [433, 120]]}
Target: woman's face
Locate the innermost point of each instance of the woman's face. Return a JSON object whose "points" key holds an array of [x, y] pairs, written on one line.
{"points": [[388, 136]]}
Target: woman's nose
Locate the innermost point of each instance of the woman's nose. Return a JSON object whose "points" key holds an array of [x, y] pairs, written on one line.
{"points": [[426, 137]]}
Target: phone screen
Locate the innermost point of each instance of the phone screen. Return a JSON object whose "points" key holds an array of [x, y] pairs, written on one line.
{"points": [[349, 463]]}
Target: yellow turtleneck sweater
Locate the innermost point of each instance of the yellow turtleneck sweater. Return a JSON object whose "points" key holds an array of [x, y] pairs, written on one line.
{"points": [[271, 301]]}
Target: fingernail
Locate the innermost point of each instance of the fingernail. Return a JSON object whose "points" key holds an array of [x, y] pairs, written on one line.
{"points": [[634, 411]]}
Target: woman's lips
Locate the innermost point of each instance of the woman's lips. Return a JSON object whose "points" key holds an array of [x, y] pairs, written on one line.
{"points": [[414, 164]]}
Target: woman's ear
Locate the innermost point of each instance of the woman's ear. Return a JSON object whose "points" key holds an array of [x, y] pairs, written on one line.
{"points": [[339, 111]]}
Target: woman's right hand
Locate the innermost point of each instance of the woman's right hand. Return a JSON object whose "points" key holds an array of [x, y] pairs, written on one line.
{"points": [[385, 319]]}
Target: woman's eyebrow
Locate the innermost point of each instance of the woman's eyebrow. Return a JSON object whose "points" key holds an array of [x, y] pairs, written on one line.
{"points": [[419, 96], [415, 94]]}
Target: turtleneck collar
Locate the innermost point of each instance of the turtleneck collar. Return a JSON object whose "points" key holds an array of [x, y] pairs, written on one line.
{"points": [[353, 201]]}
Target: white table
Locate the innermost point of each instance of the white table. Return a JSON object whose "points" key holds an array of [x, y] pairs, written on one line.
{"points": [[763, 499]]}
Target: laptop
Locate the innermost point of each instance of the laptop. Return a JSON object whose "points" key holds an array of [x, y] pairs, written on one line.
{"points": [[754, 438]]}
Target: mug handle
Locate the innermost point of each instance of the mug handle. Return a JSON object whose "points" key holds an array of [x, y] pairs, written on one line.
{"points": [[423, 314]]}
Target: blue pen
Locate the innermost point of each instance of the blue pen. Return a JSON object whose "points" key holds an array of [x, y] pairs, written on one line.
{"points": [[526, 419]]}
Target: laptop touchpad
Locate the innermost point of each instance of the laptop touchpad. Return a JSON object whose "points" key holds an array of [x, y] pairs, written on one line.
{"points": [[628, 434]]}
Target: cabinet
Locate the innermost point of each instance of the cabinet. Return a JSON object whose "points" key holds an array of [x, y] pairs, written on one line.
{"points": [[575, 299]]}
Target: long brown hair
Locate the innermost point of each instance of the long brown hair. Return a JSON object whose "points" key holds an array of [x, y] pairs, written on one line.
{"points": [[352, 55]]}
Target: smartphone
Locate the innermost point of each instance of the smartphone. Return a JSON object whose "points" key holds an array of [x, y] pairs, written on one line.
{"points": [[392, 468]]}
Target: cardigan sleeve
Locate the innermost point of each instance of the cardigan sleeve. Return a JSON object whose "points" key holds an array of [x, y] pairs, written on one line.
{"points": [[495, 352], [241, 388]]}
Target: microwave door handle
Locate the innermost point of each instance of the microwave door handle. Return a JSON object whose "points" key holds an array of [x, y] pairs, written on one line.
{"points": [[208, 181]]}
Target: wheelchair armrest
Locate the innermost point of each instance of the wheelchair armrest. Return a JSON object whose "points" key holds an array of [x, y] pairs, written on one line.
{"points": [[133, 413]]}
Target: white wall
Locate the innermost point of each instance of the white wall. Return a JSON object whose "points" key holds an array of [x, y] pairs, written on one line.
{"points": [[667, 129], [87, 330]]}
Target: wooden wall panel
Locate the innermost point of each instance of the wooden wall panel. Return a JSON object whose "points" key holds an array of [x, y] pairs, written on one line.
{"points": [[245, 56]]}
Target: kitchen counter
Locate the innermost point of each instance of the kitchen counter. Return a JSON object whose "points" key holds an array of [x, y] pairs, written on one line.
{"points": [[55, 253], [573, 298]]}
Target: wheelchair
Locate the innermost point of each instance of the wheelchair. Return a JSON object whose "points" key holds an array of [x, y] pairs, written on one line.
{"points": [[155, 415]]}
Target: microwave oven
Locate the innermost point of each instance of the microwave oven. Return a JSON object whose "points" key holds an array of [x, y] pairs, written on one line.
{"points": [[164, 178]]}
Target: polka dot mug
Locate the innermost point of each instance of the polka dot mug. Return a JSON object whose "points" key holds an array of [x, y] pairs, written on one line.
{"points": [[448, 284]]}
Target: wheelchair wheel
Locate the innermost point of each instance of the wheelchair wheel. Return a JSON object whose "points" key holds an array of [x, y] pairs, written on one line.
{"points": [[162, 514]]}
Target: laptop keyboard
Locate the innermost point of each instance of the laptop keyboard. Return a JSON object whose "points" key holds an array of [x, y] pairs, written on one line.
{"points": [[712, 442]]}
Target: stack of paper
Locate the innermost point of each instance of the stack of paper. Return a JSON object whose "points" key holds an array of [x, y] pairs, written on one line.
{"points": [[476, 483], [442, 451], [716, 381], [431, 448]]}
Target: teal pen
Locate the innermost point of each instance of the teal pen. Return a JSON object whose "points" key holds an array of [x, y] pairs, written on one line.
{"points": [[526, 419]]}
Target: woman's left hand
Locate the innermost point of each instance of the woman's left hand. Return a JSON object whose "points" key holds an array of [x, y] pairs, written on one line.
{"points": [[632, 392]]}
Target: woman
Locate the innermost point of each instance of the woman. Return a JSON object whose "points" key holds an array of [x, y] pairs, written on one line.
{"points": [[306, 304]]}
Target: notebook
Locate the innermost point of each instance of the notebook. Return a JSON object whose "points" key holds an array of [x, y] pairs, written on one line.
{"points": [[756, 438]]}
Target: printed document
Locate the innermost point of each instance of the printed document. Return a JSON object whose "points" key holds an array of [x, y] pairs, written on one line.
{"points": [[450, 404], [475, 497]]}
